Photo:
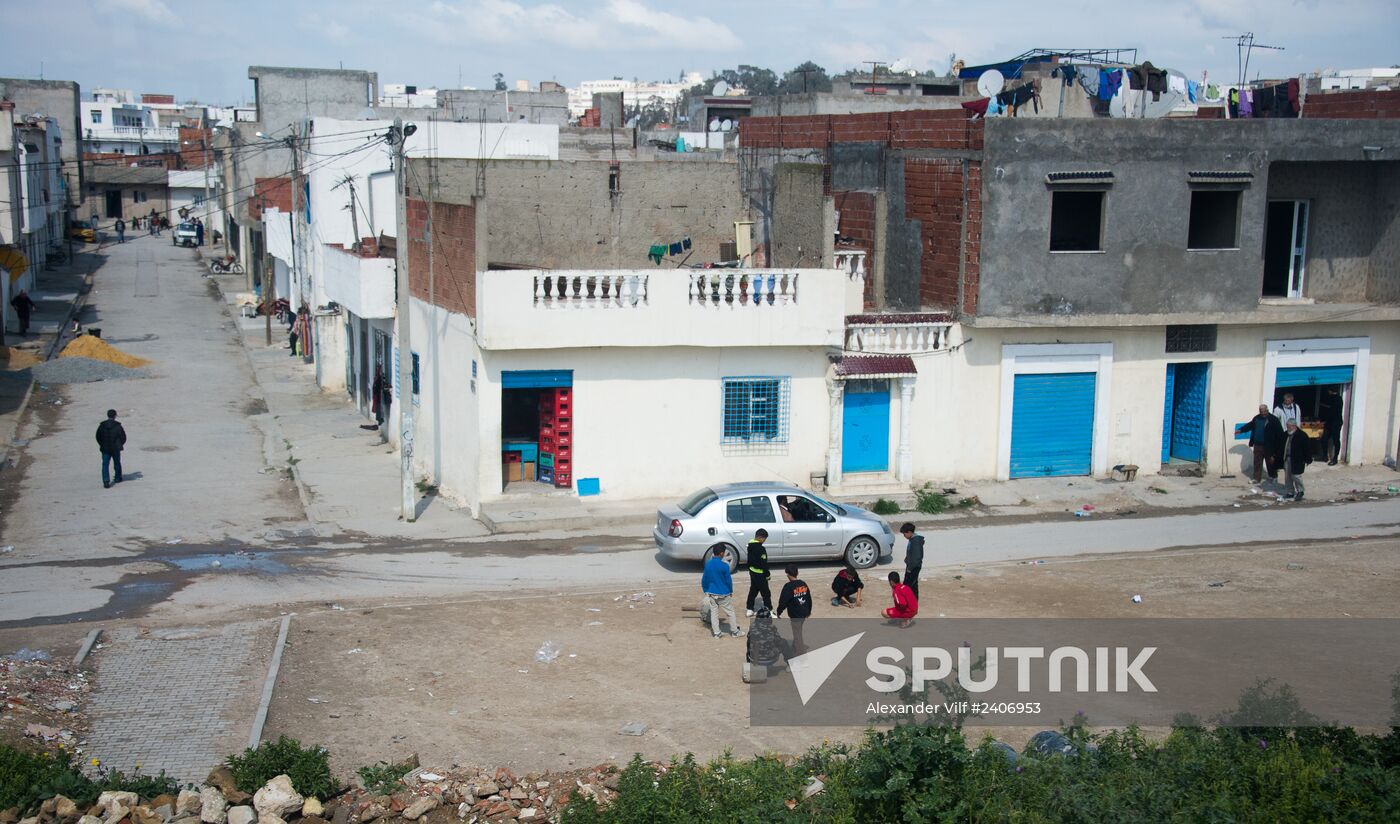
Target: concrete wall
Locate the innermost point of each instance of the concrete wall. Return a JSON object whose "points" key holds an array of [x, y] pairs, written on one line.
{"points": [[1384, 283], [562, 215], [447, 449], [788, 105], [799, 216], [1145, 265], [487, 106], [287, 95], [60, 100]]}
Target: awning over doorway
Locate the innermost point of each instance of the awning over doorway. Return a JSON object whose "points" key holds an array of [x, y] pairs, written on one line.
{"points": [[876, 366], [537, 378], [1313, 375]]}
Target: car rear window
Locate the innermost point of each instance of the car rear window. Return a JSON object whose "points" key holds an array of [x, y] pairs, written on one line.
{"points": [[697, 501]]}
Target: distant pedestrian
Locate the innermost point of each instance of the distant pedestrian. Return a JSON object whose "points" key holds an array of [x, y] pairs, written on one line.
{"points": [[717, 585], [1297, 454], [376, 398], [913, 557], [906, 603], [24, 307], [120, 226], [1331, 408], [847, 587], [796, 601], [384, 396], [758, 572], [111, 437], [198, 232], [1288, 411], [1265, 439]]}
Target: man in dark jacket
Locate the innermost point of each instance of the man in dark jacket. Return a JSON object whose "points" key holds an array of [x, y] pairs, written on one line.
{"points": [[913, 557], [796, 601], [758, 572], [24, 307], [1266, 439], [1331, 425], [1297, 454], [110, 439]]}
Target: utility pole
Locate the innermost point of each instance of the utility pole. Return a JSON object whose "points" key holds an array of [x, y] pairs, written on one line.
{"points": [[397, 136], [269, 290], [204, 143]]}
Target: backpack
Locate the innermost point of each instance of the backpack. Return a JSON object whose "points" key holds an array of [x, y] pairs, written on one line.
{"points": [[763, 645]]}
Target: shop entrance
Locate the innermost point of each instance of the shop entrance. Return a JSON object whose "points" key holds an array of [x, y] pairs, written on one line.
{"points": [[537, 428], [1323, 395]]}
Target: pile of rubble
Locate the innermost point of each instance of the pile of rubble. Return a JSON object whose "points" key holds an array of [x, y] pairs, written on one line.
{"points": [[427, 798], [39, 700]]}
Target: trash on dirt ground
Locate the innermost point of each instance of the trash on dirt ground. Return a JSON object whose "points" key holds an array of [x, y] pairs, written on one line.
{"points": [[1295, 566], [355, 651], [27, 654], [216, 563], [7, 549], [1083, 513], [594, 609], [317, 700], [633, 729], [547, 652], [175, 541], [1137, 599], [1219, 583], [814, 786], [595, 623], [335, 606], [429, 777]]}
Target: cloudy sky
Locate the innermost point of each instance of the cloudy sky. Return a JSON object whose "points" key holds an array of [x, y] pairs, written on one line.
{"points": [[200, 49]]}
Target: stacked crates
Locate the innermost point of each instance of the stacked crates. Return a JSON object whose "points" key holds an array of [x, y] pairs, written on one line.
{"points": [[557, 436]]}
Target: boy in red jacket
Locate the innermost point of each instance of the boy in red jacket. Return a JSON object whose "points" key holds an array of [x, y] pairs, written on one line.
{"points": [[906, 603]]}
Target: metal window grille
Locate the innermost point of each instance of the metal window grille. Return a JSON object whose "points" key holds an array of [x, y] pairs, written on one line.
{"points": [[756, 410], [1191, 338]]}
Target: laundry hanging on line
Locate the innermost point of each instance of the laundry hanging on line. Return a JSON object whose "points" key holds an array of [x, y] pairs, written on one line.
{"points": [[660, 251], [1109, 82]]}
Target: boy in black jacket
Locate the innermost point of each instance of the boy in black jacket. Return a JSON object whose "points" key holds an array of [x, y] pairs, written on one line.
{"points": [[913, 557], [758, 572], [796, 600]]}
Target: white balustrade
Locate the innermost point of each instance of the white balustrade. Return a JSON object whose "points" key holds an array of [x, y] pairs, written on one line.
{"points": [[896, 338], [852, 262], [590, 291], [730, 288]]}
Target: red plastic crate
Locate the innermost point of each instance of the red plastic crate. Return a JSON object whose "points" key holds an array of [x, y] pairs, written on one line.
{"points": [[564, 462], [546, 430], [564, 393], [565, 441], [564, 425], [562, 480], [563, 407]]}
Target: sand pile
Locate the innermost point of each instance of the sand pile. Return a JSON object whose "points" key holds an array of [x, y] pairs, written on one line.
{"points": [[19, 358], [87, 346]]}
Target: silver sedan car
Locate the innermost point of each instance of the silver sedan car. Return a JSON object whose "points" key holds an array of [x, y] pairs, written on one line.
{"points": [[801, 526]]}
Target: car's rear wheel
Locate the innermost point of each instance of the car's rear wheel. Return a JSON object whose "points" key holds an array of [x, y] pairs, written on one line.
{"points": [[862, 552], [731, 556]]}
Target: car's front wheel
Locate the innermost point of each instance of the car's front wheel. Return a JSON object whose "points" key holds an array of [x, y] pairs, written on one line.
{"points": [[731, 556], [862, 552]]}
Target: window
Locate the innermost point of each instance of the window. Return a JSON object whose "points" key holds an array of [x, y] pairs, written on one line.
{"points": [[698, 501], [755, 410], [138, 196], [96, 115], [1076, 221], [1191, 338], [797, 509], [1215, 219], [756, 510]]}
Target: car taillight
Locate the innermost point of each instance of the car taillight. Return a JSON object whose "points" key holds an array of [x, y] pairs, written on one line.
{"points": [[676, 529]]}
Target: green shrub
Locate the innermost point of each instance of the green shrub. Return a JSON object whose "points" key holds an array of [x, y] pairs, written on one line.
{"points": [[27, 778], [146, 786], [885, 506], [383, 778], [929, 501], [308, 767]]}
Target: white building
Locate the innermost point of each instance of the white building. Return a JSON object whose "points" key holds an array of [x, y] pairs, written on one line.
{"points": [[32, 216], [634, 93], [116, 126], [187, 196]]}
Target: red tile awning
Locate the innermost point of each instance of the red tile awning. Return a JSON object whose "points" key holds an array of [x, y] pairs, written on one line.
{"points": [[875, 366]]}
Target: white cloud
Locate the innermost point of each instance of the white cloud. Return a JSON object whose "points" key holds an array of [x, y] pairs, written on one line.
{"points": [[153, 10], [660, 28], [332, 30], [618, 24]]}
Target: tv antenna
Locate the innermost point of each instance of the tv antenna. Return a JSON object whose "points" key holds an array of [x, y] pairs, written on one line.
{"points": [[1244, 44]]}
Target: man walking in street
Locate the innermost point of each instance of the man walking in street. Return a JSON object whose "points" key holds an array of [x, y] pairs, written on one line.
{"points": [[913, 557], [198, 232], [1332, 425], [1288, 411], [1265, 439], [120, 226], [1297, 454], [906, 603], [111, 437], [796, 600], [758, 572], [24, 307], [718, 586]]}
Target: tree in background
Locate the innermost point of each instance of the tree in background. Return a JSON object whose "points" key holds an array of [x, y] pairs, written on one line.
{"points": [[500, 81], [807, 77]]}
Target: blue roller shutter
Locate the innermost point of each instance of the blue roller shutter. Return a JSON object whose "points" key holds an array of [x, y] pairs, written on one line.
{"points": [[1052, 425], [537, 378], [1313, 375]]}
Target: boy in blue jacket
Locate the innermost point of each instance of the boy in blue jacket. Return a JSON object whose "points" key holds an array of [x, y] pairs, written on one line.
{"points": [[718, 586]]}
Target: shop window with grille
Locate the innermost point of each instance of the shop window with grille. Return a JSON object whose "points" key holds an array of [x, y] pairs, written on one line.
{"points": [[1191, 338], [756, 410]]}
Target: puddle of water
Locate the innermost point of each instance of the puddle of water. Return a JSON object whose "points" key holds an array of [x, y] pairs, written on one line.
{"points": [[229, 562]]}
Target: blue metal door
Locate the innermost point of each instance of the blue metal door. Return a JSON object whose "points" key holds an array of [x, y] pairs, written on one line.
{"points": [[1052, 425], [1167, 403], [865, 427], [1188, 395]]}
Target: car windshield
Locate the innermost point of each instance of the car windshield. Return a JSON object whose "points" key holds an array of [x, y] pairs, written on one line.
{"points": [[187, 227], [837, 508], [697, 501]]}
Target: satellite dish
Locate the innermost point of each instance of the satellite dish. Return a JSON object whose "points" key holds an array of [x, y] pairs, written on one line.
{"points": [[726, 124], [720, 90], [899, 66], [990, 83], [714, 124]]}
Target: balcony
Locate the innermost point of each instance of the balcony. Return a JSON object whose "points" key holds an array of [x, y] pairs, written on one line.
{"points": [[525, 309], [897, 334], [149, 134], [363, 285]]}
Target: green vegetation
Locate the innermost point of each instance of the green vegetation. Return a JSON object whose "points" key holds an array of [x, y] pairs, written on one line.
{"points": [[929, 501], [383, 778], [308, 767], [885, 506], [28, 778]]}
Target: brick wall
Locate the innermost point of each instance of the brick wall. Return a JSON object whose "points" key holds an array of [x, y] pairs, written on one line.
{"points": [[922, 129], [856, 220], [193, 142], [453, 258], [933, 195], [1363, 105], [270, 193]]}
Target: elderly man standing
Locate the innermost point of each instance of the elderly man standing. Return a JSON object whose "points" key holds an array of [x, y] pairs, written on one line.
{"points": [[1297, 454], [1265, 438]]}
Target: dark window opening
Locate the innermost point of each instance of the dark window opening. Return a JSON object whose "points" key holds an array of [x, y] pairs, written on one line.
{"points": [[1215, 220], [614, 180], [1191, 338], [1076, 221]]}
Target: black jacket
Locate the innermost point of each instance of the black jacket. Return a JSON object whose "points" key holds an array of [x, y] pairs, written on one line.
{"points": [[795, 599], [1331, 409], [846, 587], [1300, 452], [1273, 432], [110, 436], [758, 559], [914, 554]]}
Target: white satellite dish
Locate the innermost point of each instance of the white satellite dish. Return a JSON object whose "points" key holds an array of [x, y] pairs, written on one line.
{"points": [[720, 90], [990, 83], [899, 66], [726, 124], [714, 124]]}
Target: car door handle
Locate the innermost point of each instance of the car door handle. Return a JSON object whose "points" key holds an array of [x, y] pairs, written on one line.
{"points": [[792, 532]]}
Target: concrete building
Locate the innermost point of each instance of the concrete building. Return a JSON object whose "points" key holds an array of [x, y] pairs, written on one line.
{"points": [[125, 191], [187, 190], [1060, 297], [113, 126], [59, 100], [634, 92], [33, 216], [904, 84], [538, 107]]}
